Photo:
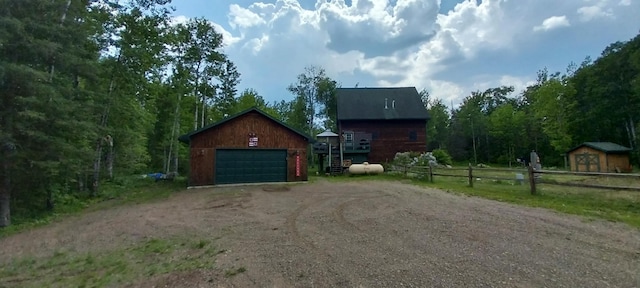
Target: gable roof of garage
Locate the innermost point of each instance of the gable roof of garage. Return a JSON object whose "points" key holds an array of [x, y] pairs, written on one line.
{"points": [[186, 138]]}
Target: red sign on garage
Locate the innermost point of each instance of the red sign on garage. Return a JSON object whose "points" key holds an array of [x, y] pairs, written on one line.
{"points": [[297, 165]]}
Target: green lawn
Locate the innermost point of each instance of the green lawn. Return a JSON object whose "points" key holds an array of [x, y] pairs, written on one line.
{"points": [[612, 205], [118, 267]]}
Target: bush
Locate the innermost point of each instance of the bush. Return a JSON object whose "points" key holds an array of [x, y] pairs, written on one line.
{"points": [[410, 159], [442, 156]]}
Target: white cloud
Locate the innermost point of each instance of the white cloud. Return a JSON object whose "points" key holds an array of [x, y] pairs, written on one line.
{"points": [[484, 25], [180, 19], [553, 22], [404, 42], [241, 17], [227, 38], [450, 93], [519, 83], [589, 13]]}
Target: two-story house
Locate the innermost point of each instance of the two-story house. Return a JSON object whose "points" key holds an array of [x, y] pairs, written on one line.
{"points": [[376, 123]]}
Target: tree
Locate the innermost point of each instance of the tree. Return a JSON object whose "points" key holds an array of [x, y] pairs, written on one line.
{"points": [[140, 28], [506, 127], [197, 46], [45, 61], [313, 88], [438, 126], [85, 90], [229, 78], [250, 98]]}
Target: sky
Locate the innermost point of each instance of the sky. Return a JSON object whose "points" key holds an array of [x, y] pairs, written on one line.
{"points": [[449, 47]]}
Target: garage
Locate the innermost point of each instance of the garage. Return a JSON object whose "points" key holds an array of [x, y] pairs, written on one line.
{"points": [[249, 147], [250, 165]]}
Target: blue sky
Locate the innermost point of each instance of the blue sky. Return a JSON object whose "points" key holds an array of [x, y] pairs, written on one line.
{"points": [[449, 47]]}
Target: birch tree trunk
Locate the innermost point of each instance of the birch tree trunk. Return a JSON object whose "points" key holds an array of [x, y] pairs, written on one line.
{"points": [[204, 106], [197, 96], [64, 16], [176, 119], [98, 156], [195, 119]]}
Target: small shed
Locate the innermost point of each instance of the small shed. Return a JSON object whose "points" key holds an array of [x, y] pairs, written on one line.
{"points": [[249, 147], [599, 157]]}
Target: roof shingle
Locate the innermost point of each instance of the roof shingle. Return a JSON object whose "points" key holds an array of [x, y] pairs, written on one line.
{"points": [[607, 147], [380, 104]]}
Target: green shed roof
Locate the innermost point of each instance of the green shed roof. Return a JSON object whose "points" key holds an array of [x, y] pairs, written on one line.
{"points": [[186, 138], [607, 147]]}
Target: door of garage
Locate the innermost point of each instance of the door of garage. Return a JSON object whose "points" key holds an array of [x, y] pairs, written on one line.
{"points": [[250, 166]]}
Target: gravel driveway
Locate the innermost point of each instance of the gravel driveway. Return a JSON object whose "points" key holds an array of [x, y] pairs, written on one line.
{"points": [[360, 234]]}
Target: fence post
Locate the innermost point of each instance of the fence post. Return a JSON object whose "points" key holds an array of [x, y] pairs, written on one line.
{"points": [[470, 176], [532, 180], [431, 173]]}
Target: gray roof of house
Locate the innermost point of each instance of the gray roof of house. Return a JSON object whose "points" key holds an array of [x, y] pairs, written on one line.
{"points": [[607, 147], [369, 104]]}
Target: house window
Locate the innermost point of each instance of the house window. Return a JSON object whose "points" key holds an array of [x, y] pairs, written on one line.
{"points": [[375, 135], [413, 136], [348, 137]]}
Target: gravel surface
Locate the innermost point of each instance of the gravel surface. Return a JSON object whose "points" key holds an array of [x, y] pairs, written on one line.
{"points": [[358, 234]]}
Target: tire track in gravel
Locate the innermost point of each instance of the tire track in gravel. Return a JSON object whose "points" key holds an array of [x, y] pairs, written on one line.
{"points": [[338, 213], [292, 221], [324, 257]]}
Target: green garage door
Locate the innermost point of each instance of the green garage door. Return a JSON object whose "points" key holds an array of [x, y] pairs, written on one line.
{"points": [[250, 166]]}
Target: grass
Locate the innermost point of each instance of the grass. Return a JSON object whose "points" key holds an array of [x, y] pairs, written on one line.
{"points": [[129, 190], [234, 271], [611, 205], [110, 268]]}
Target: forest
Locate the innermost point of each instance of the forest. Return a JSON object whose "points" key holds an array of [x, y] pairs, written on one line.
{"points": [[96, 90]]}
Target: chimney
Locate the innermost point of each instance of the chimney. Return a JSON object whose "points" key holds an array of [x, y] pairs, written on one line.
{"points": [[393, 104], [386, 106]]}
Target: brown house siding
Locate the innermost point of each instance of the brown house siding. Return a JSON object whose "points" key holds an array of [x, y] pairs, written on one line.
{"points": [[390, 136], [234, 134]]}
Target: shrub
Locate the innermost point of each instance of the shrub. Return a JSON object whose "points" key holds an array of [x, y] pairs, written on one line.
{"points": [[410, 159], [442, 156]]}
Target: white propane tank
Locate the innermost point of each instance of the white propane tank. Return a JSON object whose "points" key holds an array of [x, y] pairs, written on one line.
{"points": [[366, 168]]}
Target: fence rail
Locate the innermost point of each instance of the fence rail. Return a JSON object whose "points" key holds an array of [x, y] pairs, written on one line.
{"points": [[530, 175]]}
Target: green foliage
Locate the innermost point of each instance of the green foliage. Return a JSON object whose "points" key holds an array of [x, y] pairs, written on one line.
{"points": [[122, 190], [442, 156], [76, 73], [554, 106], [122, 266], [439, 124], [313, 88]]}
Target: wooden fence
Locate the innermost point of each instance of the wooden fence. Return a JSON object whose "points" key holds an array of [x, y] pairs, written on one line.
{"points": [[530, 175], [535, 178]]}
